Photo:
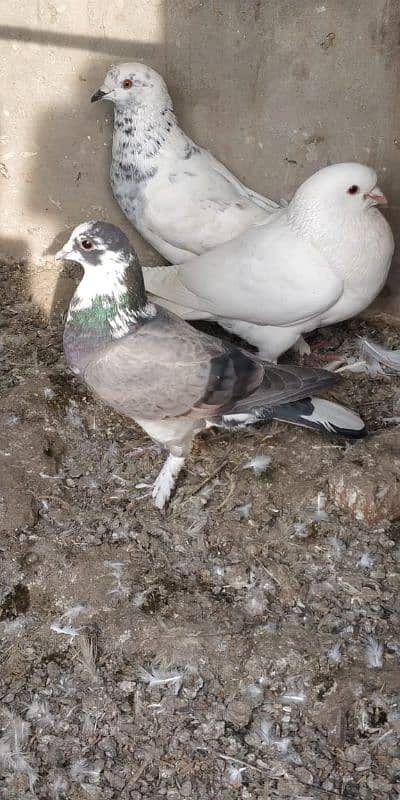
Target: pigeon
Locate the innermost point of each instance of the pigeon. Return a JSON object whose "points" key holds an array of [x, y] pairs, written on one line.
{"points": [[179, 197], [322, 259], [170, 378]]}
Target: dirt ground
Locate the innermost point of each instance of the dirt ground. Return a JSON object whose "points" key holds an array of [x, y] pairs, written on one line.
{"points": [[245, 644]]}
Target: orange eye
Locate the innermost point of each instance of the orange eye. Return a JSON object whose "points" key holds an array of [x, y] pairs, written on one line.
{"points": [[87, 244], [127, 84]]}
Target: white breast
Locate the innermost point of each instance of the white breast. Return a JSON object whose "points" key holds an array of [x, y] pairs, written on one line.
{"points": [[360, 250]]}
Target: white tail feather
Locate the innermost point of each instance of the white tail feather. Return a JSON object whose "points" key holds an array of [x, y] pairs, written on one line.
{"points": [[322, 414]]}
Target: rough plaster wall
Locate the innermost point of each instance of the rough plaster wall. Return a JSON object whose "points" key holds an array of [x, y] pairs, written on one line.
{"points": [[275, 88]]}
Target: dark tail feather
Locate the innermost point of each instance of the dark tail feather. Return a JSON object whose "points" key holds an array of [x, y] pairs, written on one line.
{"points": [[312, 412]]}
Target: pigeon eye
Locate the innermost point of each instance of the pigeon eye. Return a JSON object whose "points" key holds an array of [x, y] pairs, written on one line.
{"points": [[127, 84], [87, 244], [353, 189]]}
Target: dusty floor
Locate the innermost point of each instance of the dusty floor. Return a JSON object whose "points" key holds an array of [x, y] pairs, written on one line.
{"points": [[242, 645]]}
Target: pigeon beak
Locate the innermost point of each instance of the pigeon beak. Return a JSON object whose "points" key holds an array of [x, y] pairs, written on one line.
{"points": [[63, 255], [377, 197], [98, 95]]}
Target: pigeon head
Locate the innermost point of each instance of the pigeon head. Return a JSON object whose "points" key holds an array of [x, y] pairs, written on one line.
{"points": [[110, 265], [95, 244], [134, 85], [350, 187]]}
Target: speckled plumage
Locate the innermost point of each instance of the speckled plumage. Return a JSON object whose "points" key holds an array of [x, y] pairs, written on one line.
{"points": [[180, 198]]}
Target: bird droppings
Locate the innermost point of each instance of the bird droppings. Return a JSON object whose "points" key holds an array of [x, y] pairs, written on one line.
{"points": [[217, 651]]}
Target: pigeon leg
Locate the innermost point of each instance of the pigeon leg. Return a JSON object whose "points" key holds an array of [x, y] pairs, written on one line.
{"points": [[176, 436], [301, 347], [166, 480]]}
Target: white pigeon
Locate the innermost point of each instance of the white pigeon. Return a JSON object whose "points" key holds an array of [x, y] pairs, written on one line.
{"points": [[173, 380], [321, 260], [181, 199]]}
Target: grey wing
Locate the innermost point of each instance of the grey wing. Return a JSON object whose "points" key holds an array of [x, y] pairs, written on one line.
{"points": [[286, 383], [167, 369]]}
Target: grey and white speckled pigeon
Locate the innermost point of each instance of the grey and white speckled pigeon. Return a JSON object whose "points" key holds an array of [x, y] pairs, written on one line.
{"points": [[321, 260], [173, 380], [180, 198]]}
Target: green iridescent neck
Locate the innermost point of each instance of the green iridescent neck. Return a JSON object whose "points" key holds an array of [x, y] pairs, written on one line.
{"points": [[103, 309]]}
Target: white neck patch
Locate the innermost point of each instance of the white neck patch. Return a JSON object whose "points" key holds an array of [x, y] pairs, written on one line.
{"points": [[106, 278], [123, 318]]}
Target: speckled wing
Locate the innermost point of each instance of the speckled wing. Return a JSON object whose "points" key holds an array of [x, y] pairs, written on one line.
{"points": [[166, 369], [196, 205]]}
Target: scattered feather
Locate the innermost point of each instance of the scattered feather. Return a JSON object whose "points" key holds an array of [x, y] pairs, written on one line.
{"points": [[255, 693], [38, 710], [158, 677], [320, 513], [72, 613], [302, 530], [218, 571], [234, 775], [59, 787], [269, 737], [117, 568], [266, 731], [295, 698], [12, 626], [15, 735], [67, 630], [244, 511], [375, 354], [337, 545], [334, 655], [13, 419], [258, 464], [358, 366], [73, 416], [374, 653], [82, 769], [88, 653], [282, 744], [365, 561], [256, 604], [139, 598], [48, 393]]}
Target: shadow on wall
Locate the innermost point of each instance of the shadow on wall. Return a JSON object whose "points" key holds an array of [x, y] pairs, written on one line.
{"points": [[71, 178], [70, 181], [16, 249]]}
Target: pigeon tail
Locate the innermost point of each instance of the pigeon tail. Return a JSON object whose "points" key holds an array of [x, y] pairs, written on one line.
{"points": [[321, 415], [312, 412]]}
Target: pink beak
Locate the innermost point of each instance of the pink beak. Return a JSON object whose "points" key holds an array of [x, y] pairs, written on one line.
{"points": [[62, 254], [377, 197]]}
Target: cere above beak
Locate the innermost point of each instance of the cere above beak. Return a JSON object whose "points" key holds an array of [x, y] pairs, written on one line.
{"points": [[98, 95], [377, 197]]}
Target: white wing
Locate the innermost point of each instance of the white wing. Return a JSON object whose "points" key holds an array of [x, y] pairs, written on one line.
{"points": [[196, 204], [244, 191], [267, 276]]}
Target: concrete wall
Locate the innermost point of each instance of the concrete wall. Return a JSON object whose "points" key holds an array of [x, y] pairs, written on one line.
{"points": [[275, 88]]}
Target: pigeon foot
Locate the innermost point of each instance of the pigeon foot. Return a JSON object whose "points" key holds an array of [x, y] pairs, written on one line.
{"points": [[166, 480]]}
